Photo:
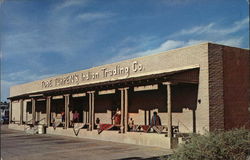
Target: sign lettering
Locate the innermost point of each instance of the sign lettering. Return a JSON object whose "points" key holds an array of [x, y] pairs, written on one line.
{"points": [[76, 78]]}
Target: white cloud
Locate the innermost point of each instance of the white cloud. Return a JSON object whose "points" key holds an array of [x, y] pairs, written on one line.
{"points": [[232, 41], [25, 76], [213, 29], [211, 32], [41, 42], [172, 44], [196, 30], [70, 3], [11, 79], [22, 42], [93, 16], [5, 89], [57, 37], [179, 2], [167, 45], [237, 26], [1, 54]]}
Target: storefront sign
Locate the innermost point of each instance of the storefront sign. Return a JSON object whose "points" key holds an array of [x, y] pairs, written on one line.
{"points": [[104, 73]]}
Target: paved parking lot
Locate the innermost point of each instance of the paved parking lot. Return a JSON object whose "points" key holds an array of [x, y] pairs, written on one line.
{"points": [[16, 145]]}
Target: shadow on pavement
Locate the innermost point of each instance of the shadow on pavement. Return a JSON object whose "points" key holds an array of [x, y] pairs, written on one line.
{"points": [[165, 157]]}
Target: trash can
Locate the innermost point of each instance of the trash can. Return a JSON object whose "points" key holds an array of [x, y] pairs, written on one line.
{"points": [[40, 129]]}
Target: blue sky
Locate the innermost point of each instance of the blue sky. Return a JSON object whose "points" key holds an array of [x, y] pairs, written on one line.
{"points": [[43, 38]]}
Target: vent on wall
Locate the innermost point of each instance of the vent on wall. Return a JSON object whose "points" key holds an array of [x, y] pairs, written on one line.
{"points": [[145, 88], [57, 97], [111, 91], [79, 95]]}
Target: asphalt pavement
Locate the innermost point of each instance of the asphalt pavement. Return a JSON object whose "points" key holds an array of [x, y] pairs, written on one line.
{"points": [[16, 145]]}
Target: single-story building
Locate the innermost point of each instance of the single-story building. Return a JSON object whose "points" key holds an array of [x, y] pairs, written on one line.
{"points": [[192, 89]]}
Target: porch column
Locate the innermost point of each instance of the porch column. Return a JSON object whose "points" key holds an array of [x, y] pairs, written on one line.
{"points": [[66, 110], [91, 110], [90, 104], [33, 103], [126, 109], [10, 112], [21, 111], [48, 108], [168, 84], [87, 117], [122, 110]]}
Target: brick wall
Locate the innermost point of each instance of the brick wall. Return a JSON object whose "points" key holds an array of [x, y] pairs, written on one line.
{"points": [[229, 87], [236, 87], [216, 104]]}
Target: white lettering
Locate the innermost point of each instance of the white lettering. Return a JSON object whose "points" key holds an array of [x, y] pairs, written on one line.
{"points": [[105, 73]]}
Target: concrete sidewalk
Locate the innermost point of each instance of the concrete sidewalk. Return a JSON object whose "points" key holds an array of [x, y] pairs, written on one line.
{"points": [[16, 145]]}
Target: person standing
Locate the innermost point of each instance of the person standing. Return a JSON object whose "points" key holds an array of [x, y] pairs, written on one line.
{"points": [[76, 117], [117, 117], [131, 124], [97, 121], [156, 120], [63, 116]]}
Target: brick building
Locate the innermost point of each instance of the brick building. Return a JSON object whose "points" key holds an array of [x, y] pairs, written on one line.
{"points": [[193, 89]]}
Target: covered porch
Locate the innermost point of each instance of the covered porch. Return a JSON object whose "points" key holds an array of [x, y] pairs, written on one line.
{"points": [[173, 95]]}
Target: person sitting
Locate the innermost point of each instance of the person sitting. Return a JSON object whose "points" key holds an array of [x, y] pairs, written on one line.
{"points": [[131, 124], [117, 117], [156, 120], [63, 116], [75, 117], [55, 120], [156, 123], [97, 121]]}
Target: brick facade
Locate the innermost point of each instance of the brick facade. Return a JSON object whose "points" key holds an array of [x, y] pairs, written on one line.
{"points": [[215, 96], [236, 87], [229, 83], [216, 93]]}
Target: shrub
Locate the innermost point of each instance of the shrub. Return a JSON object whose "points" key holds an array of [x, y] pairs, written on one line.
{"points": [[229, 145]]}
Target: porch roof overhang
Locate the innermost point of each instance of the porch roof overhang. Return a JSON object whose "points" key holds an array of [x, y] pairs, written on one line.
{"points": [[185, 75]]}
